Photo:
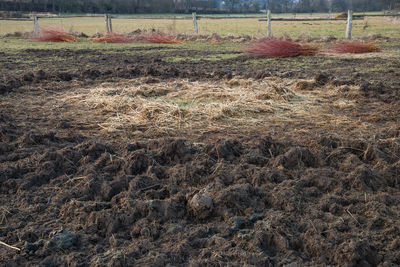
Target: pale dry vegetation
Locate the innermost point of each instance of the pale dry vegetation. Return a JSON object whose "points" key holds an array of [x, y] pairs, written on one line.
{"points": [[183, 106], [148, 106]]}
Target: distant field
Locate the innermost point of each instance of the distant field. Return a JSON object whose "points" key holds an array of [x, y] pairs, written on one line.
{"points": [[238, 26]]}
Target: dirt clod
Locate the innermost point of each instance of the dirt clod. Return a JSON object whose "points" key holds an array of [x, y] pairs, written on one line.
{"points": [[322, 79], [303, 86], [61, 240], [202, 205]]}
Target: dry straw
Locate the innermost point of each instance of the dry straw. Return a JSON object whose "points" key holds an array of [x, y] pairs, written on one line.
{"points": [[161, 38], [112, 38], [153, 37], [179, 106]]}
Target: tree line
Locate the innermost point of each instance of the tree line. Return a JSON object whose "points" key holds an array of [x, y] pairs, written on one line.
{"points": [[311, 6], [201, 6]]}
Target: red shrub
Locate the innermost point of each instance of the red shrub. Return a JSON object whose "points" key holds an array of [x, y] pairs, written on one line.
{"points": [[112, 38], [280, 48], [159, 38], [353, 47], [55, 35]]}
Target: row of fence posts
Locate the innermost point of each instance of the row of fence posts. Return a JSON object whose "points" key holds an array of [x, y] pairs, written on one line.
{"points": [[269, 17], [109, 29]]}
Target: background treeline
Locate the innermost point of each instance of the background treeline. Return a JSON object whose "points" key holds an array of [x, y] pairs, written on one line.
{"points": [[309, 6], [201, 6]]}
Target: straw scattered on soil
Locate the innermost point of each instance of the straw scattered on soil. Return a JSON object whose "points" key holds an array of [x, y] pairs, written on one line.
{"points": [[182, 106], [150, 107], [112, 38], [161, 38]]}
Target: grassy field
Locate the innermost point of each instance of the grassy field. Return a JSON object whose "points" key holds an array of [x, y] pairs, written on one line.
{"points": [[224, 27]]}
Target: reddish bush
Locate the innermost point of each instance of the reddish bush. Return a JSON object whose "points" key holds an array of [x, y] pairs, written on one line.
{"points": [[341, 16], [354, 47], [55, 35], [280, 48], [159, 38], [112, 38]]}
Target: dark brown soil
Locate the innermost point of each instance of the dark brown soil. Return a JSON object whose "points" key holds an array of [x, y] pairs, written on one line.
{"points": [[38, 66], [72, 197]]}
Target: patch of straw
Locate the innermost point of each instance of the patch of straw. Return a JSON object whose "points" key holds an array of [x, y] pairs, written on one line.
{"points": [[171, 107]]}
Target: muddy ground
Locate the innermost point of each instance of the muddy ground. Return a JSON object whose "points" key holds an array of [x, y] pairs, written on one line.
{"points": [[298, 194]]}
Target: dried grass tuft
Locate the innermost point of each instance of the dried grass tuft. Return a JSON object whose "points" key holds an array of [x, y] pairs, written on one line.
{"points": [[341, 16], [112, 38], [160, 38], [153, 37], [278, 48], [55, 35], [353, 48]]}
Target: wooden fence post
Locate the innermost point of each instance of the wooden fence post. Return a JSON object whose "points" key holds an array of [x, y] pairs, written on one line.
{"points": [[196, 29], [36, 24], [110, 23], [107, 23], [349, 24], [269, 23]]}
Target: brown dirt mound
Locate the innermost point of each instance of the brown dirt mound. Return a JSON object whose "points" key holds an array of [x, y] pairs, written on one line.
{"points": [[172, 201]]}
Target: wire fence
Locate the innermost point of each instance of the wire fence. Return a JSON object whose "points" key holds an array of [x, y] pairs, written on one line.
{"points": [[293, 25]]}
